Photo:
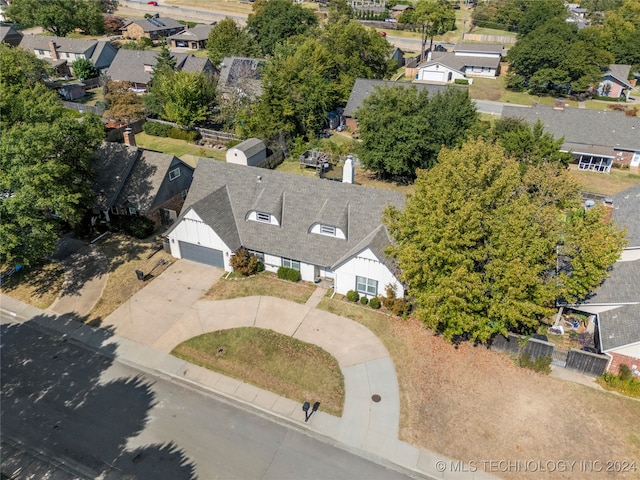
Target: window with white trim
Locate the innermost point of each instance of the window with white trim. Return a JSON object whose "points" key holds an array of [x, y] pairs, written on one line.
{"points": [[173, 174], [263, 217], [366, 286], [287, 262], [328, 230], [258, 255]]}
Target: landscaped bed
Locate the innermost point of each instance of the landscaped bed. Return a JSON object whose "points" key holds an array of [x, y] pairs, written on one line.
{"points": [[272, 361]]}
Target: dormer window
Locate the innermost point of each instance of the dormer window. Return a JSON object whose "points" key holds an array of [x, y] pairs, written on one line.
{"points": [[328, 230], [263, 217]]}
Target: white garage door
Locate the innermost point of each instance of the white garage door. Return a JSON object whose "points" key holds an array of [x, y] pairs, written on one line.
{"points": [[433, 76], [200, 254]]}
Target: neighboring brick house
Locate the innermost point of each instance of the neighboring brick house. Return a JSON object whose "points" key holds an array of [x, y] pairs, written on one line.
{"points": [[191, 38], [616, 302], [61, 52], [153, 28], [597, 139], [134, 181], [136, 66]]}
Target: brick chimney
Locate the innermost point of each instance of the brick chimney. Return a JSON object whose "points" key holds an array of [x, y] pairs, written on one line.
{"points": [[53, 48], [129, 137]]}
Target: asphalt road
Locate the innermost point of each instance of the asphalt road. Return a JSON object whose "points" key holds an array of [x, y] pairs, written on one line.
{"points": [[67, 412]]}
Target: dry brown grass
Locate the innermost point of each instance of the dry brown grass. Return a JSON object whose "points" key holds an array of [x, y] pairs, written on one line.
{"points": [[473, 404], [272, 361], [266, 283], [38, 286], [605, 183], [126, 255]]}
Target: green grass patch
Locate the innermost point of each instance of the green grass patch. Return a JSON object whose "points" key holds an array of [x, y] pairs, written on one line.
{"points": [[264, 284], [176, 147], [625, 382], [272, 361], [38, 286]]}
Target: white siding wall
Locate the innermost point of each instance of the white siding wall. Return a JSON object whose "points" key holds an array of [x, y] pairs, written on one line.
{"points": [[477, 54], [438, 73], [237, 156], [193, 230], [365, 264], [307, 272], [490, 72], [316, 229], [272, 262], [632, 351]]}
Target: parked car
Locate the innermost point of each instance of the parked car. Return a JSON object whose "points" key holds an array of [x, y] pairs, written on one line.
{"points": [[153, 4]]}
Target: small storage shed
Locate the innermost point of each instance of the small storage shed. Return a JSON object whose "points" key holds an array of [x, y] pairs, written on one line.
{"points": [[251, 152]]}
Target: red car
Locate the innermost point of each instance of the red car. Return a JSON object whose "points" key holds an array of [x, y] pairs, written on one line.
{"points": [[153, 4]]}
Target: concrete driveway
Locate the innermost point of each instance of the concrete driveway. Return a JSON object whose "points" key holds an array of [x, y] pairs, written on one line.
{"points": [[169, 310]]}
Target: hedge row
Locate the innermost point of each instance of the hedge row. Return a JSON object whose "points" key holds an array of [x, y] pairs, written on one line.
{"points": [[163, 130]]}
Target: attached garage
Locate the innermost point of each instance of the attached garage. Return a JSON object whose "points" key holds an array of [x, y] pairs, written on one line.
{"points": [[198, 253], [433, 76]]}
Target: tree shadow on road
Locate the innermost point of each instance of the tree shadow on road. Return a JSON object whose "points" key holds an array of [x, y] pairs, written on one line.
{"points": [[60, 398]]}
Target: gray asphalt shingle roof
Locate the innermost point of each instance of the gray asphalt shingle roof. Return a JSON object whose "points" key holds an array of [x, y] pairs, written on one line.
{"points": [[459, 62], [112, 165], [583, 126], [99, 52], [478, 48], [198, 33], [251, 146], [154, 24], [298, 202], [619, 327], [129, 65], [620, 73], [241, 74], [364, 88]]}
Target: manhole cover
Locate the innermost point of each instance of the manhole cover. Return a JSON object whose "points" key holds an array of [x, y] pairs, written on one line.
{"points": [[376, 398]]}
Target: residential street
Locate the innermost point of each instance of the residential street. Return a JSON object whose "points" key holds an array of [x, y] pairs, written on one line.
{"points": [[84, 414]]}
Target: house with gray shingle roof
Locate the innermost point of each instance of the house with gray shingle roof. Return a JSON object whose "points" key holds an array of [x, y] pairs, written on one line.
{"points": [[191, 38], [322, 228], [10, 36], [616, 302], [63, 51], [134, 181], [136, 66], [154, 28], [466, 60], [595, 138], [363, 88]]}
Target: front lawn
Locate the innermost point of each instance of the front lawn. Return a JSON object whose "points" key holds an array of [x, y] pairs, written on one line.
{"points": [[271, 361], [264, 284], [605, 183], [38, 286]]}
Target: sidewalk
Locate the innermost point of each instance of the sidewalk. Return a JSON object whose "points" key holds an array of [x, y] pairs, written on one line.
{"points": [[168, 311]]}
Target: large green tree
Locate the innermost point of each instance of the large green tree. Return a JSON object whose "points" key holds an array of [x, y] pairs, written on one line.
{"points": [[45, 161], [402, 129], [59, 17], [358, 52], [478, 243], [298, 92], [435, 18], [274, 21], [184, 97], [228, 39], [556, 55]]}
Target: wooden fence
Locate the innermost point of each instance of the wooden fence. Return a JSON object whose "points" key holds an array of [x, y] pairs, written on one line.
{"points": [[205, 133]]}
